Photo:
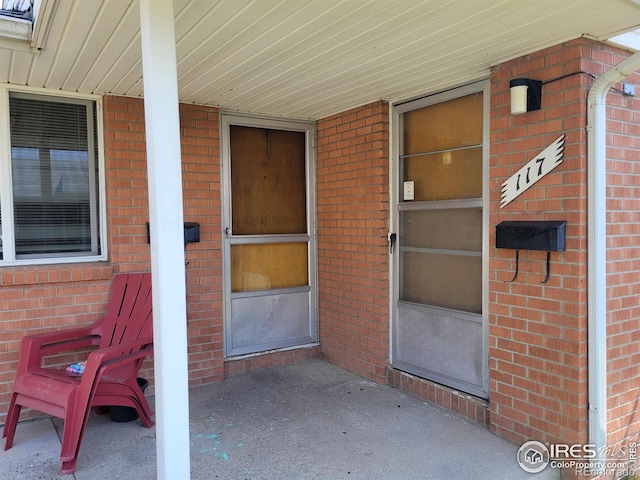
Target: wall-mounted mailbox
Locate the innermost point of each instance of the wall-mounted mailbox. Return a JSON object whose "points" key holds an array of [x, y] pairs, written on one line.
{"points": [[536, 235], [548, 236], [191, 232]]}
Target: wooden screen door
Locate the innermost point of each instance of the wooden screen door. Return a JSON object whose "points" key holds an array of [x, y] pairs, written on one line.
{"points": [[269, 249]]}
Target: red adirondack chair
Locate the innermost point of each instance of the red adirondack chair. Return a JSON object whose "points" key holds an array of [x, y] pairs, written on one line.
{"points": [[124, 337]]}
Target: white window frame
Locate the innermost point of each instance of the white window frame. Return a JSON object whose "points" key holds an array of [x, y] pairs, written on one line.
{"points": [[6, 185]]}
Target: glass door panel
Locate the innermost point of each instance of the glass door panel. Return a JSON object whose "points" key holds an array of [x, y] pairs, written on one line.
{"points": [[444, 126], [447, 175], [268, 266], [440, 280], [453, 229], [440, 255]]}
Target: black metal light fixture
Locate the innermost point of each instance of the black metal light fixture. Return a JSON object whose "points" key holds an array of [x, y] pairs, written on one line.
{"points": [[526, 94]]}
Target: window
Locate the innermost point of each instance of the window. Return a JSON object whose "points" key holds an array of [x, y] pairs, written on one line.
{"points": [[49, 188]]}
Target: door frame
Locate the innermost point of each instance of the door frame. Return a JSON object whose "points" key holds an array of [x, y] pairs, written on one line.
{"points": [[308, 128], [396, 111]]}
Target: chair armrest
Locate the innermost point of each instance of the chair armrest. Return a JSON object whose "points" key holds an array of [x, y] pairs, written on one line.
{"points": [[104, 359], [108, 358], [34, 347]]}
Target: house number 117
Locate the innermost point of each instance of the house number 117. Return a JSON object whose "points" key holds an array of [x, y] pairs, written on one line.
{"points": [[534, 170]]}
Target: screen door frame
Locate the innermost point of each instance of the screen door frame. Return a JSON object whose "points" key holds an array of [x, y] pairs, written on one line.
{"points": [[481, 389], [305, 296]]}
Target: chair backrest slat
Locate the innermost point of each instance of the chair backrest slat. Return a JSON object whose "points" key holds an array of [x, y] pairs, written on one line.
{"points": [[129, 314]]}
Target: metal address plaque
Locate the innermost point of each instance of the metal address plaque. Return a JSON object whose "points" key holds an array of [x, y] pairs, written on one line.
{"points": [[538, 167]]}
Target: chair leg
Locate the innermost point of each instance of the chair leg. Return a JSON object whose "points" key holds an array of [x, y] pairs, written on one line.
{"points": [[69, 467], [11, 422], [144, 412], [75, 423], [145, 418]]}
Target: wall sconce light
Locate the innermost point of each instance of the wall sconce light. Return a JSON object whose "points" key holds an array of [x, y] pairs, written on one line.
{"points": [[526, 95]]}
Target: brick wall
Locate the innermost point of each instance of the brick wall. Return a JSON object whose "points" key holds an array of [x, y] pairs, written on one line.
{"points": [[623, 257], [201, 179], [538, 332], [40, 298], [353, 255], [128, 213], [472, 408], [126, 179]]}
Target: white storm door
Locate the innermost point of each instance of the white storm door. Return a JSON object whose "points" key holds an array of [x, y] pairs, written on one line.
{"points": [[439, 324]]}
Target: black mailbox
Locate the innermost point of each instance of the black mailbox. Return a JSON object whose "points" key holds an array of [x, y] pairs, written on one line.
{"points": [[191, 232], [548, 236], [534, 235]]}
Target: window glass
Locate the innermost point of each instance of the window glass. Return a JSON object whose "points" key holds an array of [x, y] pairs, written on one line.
{"points": [[441, 280], [446, 229], [268, 266], [440, 238], [445, 175], [444, 126], [54, 176]]}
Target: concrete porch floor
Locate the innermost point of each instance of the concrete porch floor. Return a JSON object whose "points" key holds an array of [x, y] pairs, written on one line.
{"points": [[310, 420]]}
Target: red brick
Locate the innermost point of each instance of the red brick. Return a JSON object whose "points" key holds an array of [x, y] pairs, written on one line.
{"points": [[356, 186], [553, 325]]}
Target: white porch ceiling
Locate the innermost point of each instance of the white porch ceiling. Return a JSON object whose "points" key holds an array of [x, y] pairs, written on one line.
{"points": [[306, 58]]}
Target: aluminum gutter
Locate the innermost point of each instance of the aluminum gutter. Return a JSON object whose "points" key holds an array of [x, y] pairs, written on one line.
{"points": [[597, 246]]}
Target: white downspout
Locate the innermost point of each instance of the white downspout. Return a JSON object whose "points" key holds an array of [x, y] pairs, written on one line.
{"points": [[597, 246]]}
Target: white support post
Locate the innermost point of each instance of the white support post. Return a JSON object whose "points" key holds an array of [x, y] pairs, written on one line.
{"points": [[162, 125]]}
